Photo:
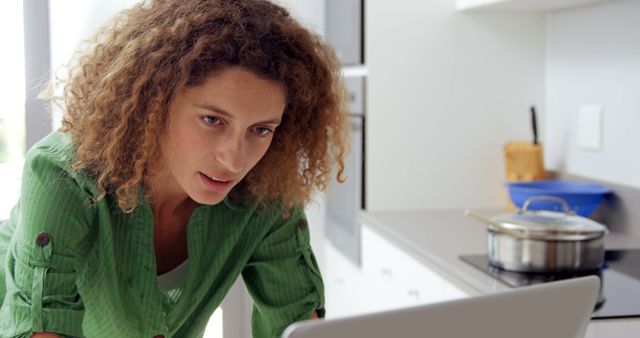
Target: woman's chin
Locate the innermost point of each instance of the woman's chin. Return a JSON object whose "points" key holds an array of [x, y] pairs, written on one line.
{"points": [[208, 199]]}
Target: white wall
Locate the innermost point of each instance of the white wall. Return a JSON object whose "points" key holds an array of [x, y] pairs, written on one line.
{"points": [[73, 21], [310, 13], [446, 90], [594, 58]]}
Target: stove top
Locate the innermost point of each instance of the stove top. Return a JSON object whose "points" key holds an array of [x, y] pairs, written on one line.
{"points": [[619, 292]]}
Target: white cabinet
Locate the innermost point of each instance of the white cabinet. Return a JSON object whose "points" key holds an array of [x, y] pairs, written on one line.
{"points": [[521, 5], [388, 279], [399, 279], [342, 283]]}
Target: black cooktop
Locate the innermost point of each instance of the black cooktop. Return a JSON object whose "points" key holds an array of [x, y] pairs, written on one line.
{"points": [[620, 289]]}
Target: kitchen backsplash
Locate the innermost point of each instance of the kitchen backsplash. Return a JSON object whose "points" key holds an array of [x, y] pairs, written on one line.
{"points": [[593, 58]]}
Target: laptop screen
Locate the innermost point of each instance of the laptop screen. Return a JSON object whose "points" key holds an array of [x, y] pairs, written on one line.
{"points": [[552, 310]]}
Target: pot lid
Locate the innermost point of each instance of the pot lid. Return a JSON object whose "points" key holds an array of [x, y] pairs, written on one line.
{"points": [[551, 224]]}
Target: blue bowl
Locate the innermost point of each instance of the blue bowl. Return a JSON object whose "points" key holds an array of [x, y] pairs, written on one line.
{"points": [[582, 198]]}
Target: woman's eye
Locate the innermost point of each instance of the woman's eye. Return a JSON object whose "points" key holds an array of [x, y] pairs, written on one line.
{"points": [[262, 131], [211, 119]]}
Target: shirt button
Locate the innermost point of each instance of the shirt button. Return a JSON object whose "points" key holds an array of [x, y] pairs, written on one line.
{"points": [[302, 224], [42, 239]]}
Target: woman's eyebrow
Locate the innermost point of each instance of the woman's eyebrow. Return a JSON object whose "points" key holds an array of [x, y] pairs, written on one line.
{"points": [[221, 111], [213, 109]]}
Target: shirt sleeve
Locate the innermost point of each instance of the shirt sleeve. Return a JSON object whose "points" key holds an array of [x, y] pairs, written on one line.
{"points": [[283, 278], [51, 225]]}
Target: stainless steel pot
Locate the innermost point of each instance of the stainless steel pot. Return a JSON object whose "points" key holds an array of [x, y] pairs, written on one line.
{"points": [[545, 241]]}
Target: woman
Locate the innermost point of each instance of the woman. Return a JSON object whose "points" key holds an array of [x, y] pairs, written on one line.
{"points": [[194, 133]]}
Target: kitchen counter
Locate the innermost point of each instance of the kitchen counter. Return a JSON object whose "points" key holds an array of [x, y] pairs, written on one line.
{"points": [[438, 237]]}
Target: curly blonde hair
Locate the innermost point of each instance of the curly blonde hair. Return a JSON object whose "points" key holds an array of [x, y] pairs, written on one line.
{"points": [[117, 94]]}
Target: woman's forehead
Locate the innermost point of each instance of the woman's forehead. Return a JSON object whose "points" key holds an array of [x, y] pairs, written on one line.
{"points": [[237, 90]]}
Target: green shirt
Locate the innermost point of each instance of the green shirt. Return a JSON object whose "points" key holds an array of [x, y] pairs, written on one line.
{"points": [[82, 268]]}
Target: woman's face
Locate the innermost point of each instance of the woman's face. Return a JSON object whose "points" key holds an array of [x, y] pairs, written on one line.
{"points": [[218, 131]]}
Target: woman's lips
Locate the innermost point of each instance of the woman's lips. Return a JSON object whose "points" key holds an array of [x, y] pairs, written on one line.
{"points": [[214, 184]]}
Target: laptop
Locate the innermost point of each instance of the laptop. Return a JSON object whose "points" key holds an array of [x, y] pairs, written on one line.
{"points": [[560, 309]]}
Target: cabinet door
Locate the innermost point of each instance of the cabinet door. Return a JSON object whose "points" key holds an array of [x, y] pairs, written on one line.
{"points": [[381, 272], [400, 279], [342, 279], [421, 285]]}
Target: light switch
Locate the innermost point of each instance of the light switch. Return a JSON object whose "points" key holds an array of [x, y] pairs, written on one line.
{"points": [[590, 127]]}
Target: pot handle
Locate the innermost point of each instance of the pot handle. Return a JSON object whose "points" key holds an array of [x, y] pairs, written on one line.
{"points": [[495, 226], [565, 205]]}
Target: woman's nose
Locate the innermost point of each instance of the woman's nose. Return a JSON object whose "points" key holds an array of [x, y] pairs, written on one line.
{"points": [[230, 154]]}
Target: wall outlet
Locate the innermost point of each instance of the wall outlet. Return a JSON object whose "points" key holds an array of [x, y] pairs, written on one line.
{"points": [[590, 127]]}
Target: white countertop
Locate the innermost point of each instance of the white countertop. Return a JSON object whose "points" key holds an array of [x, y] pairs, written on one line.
{"points": [[438, 237]]}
